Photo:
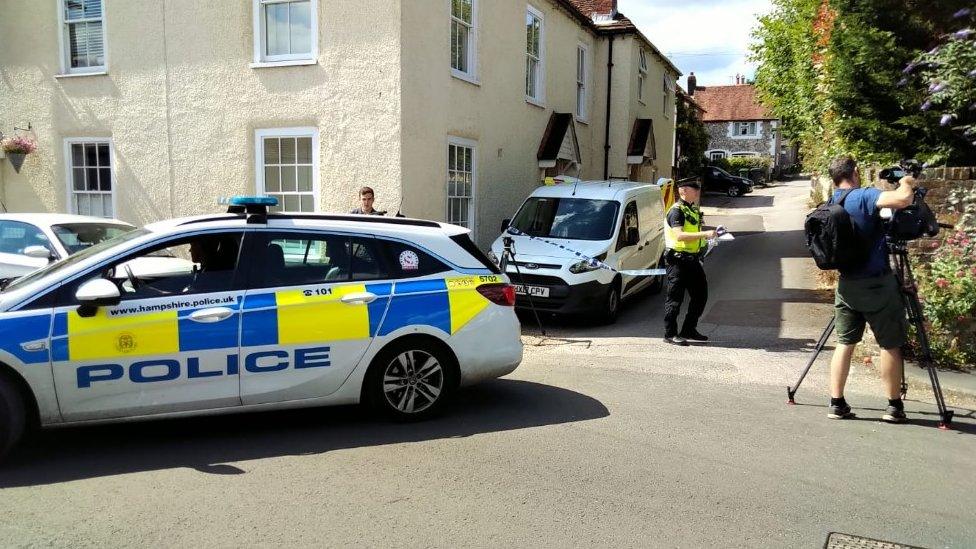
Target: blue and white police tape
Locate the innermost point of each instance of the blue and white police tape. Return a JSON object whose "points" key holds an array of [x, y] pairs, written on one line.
{"points": [[591, 261]]}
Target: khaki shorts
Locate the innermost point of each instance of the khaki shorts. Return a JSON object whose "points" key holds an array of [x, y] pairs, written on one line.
{"points": [[878, 302]]}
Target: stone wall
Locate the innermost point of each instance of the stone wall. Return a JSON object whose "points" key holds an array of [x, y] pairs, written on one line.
{"points": [[720, 139]]}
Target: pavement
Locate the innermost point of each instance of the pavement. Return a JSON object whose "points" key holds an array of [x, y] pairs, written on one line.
{"points": [[604, 436]]}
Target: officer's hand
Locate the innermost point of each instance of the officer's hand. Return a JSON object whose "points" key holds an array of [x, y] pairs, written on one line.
{"points": [[908, 180], [710, 234]]}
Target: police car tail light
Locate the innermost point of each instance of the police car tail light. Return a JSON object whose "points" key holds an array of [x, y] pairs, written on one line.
{"points": [[499, 294]]}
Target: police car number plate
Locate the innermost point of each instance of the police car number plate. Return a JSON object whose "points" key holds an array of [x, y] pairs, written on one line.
{"points": [[534, 291]]}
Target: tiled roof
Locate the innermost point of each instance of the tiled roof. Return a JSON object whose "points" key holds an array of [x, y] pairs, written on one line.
{"points": [[728, 103], [588, 7]]}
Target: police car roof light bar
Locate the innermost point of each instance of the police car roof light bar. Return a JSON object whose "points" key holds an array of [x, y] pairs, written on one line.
{"points": [[249, 204]]}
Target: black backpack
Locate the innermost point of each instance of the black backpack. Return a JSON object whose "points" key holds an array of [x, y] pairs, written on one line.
{"points": [[832, 237]]}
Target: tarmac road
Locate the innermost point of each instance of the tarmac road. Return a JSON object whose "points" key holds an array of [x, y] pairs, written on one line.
{"points": [[604, 436]]}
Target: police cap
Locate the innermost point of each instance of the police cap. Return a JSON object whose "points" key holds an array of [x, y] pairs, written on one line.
{"points": [[689, 182]]}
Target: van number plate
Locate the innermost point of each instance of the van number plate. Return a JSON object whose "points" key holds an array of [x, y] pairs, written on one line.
{"points": [[534, 291]]}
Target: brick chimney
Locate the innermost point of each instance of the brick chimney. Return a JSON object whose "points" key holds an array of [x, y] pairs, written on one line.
{"points": [[692, 83]]}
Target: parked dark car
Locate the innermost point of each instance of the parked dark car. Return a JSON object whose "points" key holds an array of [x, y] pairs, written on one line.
{"points": [[758, 176], [718, 180]]}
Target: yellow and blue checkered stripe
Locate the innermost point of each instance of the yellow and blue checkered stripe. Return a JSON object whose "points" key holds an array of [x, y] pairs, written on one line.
{"points": [[281, 317]]}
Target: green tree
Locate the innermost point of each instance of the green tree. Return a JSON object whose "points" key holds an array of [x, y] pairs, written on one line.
{"points": [[833, 71], [692, 140]]}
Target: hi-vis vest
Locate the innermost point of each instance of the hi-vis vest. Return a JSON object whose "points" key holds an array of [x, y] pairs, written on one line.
{"points": [[692, 224]]}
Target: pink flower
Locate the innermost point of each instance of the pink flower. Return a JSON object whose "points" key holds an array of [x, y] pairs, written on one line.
{"points": [[960, 318], [942, 283]]}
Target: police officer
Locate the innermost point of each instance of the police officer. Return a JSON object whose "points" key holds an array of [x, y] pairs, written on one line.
{"points": [[686, 246]]}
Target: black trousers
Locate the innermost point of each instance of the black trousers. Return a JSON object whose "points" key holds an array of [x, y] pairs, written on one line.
{"points": [[684, 275]]}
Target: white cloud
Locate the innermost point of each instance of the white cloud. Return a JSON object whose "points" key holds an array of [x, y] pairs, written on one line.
{"points": [[709, 37]]}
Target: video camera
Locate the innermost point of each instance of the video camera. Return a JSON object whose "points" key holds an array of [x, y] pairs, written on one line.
{"points": [[917, 220]]}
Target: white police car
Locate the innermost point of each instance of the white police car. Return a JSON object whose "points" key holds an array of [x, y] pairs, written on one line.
{"points": [[251, 310]]}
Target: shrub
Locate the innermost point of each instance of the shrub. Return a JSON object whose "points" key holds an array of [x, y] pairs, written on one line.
{"points": [[947, 288], [747, 162]]}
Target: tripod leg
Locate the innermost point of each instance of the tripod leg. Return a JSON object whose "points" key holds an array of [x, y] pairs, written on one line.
{"points": [[824, 337], [529, 295]]}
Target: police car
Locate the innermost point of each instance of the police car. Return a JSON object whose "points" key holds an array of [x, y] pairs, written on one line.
{"points": [[252, 310]]}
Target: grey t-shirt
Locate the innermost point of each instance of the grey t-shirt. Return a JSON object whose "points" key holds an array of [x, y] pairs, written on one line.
{"points": [[359, 211]]}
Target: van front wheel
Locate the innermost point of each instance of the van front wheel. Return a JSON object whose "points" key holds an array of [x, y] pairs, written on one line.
{"points": [[611, 305]]}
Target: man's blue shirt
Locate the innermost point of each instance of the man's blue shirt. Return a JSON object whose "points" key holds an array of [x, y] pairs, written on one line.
{"points": [[862, 205]]}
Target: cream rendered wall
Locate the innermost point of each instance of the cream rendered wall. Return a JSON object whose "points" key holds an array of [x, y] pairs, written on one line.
{"points": [[493, 112], [627, 62], [181, 103]]}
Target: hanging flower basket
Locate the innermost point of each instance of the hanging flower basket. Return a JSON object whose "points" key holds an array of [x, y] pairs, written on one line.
{"points": [[17, 148]]}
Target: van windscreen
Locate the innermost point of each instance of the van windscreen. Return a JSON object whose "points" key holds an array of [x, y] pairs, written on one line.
{"points": [[570, 218]]}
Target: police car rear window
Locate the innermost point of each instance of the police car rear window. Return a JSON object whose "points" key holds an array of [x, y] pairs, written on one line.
{"points": [[291, 259]]}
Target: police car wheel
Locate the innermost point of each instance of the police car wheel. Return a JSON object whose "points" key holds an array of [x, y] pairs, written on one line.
{"points": [[412, 381], [13, 417]]}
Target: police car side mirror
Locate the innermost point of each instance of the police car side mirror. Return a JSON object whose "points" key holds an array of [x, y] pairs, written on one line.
{"points": [[97, 293], [633, 236], [38, 252]]}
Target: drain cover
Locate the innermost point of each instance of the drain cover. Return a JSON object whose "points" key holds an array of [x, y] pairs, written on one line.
{"points": [[836, 540]]}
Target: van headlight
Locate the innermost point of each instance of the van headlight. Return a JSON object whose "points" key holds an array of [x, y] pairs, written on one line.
{"points": [[493, 257], [581, 267]]}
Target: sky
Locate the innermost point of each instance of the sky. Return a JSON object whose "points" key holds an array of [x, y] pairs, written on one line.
{"points": [[709, 37]]}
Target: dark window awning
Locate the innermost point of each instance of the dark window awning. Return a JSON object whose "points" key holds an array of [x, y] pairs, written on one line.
{"points": [[559, 142], [642, 146]]}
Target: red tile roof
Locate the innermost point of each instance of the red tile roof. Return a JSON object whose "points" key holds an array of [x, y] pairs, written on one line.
{"points": [[729, 103], [589, 7]]}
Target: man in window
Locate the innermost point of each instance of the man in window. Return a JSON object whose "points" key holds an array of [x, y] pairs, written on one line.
{"points": [[366, 203]]}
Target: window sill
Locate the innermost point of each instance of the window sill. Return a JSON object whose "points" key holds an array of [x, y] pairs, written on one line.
{"points": [[535, 102], [80, 74], [291, 63], [746, 137], [470, 79]]}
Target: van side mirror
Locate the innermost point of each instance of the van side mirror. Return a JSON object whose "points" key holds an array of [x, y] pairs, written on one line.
{"points": [[96, 293], [505, 224], [633, 236], [38, 252]]}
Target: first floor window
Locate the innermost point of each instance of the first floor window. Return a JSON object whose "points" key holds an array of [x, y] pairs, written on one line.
{"points": [[462, 36], [286, 29], [581, 82], [641, 73], [668, 86], [746, 129], [90, 177], [460, 183], [533, 54], [287, 168], [716, 155], [84, 35]]}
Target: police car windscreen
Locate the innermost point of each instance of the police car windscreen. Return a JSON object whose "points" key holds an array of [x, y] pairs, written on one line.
{"points": [[71, 260], [570, 218], [79, 236]]}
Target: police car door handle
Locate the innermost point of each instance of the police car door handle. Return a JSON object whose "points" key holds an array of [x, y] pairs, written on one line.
{"points": [[361, 297], [207, 316], [31, 346]]}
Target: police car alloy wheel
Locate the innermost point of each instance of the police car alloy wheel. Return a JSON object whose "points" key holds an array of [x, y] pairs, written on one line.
{"points": [[13, 419], [411, 381]]}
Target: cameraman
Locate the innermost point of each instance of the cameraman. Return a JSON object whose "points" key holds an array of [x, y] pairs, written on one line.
{"points": [[868, 292]]}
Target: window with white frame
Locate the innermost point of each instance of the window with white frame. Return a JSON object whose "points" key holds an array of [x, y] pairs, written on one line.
{"points": [[669, 89], [287, 168], [463, 37], [641, 73], [742, 129], [581, 80], [90, 177], [716, 155], [285, 30], [83, 37], [460, 182], [534, 64]]}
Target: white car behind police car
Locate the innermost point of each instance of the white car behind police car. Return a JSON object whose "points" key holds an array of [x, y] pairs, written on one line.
{"points": [[270, 311]]}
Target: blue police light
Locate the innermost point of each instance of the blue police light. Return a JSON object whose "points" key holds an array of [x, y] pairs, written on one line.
{"points": [[267, 201], [249, 204]]}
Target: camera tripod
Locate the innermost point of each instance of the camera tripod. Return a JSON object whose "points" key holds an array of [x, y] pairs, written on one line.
{"points": [[508, 254], [898, 257]]}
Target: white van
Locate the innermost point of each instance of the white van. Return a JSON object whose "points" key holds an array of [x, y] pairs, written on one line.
{"points": [[618, 222]]}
